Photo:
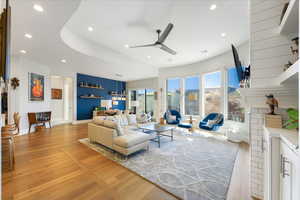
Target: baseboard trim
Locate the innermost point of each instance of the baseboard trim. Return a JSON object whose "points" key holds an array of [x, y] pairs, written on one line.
{"points": [[53, 123], [82, 121]]}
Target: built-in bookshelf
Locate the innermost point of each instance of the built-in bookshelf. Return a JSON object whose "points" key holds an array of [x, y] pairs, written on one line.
{"points": [[90, 97], [290, 76], [289, 27], [91, 90], [92, 87]]}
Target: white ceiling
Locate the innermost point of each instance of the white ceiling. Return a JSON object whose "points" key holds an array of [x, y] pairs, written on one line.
{"points": [[61, 31]]}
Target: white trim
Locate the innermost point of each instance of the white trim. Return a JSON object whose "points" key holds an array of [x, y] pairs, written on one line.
{"points": [[81, 121]]}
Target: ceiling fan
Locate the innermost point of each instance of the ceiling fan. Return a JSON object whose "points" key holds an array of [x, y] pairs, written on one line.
{"points": [[160, 40]]}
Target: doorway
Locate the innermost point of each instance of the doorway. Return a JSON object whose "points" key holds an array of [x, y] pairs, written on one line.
{"points": [[62, 108]]}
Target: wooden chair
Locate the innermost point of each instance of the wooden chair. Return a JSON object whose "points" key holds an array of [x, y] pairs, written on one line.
{"points": [[7, 151], [7, 139], [14, 128]]}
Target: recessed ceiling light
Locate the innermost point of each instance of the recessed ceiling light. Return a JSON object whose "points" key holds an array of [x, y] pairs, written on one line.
{"points": [[148, 57], [38, 8], [223, 34], [90, 28], [213, 7], [23, 51], [63, 61], [204, 51], [28, 35], [126, 46]]}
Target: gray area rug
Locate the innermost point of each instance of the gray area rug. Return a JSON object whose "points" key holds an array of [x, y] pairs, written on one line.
{"points": [[192, 167]]}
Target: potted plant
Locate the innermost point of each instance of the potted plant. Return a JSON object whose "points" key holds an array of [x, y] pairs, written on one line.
{"points": [[293, 121]]}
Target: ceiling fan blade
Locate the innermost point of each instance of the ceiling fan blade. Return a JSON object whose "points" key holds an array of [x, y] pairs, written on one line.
{"points": [[165, 34], [145, 45], [167, 49]]}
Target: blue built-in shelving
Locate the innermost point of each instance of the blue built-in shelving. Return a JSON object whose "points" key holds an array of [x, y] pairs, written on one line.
{"points": [[85, 106]]}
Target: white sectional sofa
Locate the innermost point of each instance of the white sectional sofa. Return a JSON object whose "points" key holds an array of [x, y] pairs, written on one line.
{"points": [[118, 135]]}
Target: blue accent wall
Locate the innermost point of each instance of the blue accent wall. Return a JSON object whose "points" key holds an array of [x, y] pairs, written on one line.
{"points": [[85, 107]]}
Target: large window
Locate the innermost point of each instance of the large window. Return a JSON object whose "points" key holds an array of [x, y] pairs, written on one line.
{"points": [[173, 94], [235, 111], [212, 92], [191, 97]]}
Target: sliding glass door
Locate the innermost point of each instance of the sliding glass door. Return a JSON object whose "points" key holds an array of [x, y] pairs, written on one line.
{"points": [[143, 101], [140, 97], [150, 101]]}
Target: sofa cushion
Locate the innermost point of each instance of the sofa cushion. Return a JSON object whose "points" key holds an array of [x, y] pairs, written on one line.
{"points": [[114, 125], [142, 118], [111, 118], [131, 138], [110, 124], [98, 120]]}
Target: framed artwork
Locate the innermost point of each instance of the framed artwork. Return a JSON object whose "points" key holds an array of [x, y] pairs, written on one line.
{"points": [[36, 87], [56, 93]]}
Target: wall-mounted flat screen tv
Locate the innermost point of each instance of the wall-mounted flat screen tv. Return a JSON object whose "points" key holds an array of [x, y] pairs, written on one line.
{"points": [[238, 65]]}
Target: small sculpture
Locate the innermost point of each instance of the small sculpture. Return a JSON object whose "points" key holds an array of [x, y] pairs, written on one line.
{"points": [[15, 82], [295, 49], [272, 102]]}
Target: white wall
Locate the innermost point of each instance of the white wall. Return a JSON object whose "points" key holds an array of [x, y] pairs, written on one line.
{"points": [[270, 51], [149, 83], [19, 98], [2, 5], [57, 105]]}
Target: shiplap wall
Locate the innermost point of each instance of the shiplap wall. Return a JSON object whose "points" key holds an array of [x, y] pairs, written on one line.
{"points": [[269, 50]]}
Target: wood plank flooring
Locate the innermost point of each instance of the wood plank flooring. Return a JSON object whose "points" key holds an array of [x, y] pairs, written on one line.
{"points": [[53, 165]]}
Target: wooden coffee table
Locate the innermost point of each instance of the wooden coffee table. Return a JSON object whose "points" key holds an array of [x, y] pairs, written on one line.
{"points": [[160, 130]]}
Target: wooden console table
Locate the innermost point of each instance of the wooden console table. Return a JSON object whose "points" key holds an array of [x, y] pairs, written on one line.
{"points": [[39, 118]]}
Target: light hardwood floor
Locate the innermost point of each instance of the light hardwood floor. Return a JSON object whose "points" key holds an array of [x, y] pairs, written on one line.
{"points": [[54, 165]]}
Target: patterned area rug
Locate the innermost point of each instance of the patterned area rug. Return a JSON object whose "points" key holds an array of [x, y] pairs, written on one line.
{"points": [[192, 167]]}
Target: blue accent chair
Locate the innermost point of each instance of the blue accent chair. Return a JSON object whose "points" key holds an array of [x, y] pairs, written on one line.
{"points": [[178, 117], [214, 127]]}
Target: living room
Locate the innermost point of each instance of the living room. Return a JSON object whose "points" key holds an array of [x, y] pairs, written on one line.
{"points": [[165, 100]]}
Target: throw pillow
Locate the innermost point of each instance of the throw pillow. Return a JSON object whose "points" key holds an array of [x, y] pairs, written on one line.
{"points": [[210, 123], [124, 121], [131, 119], [142, 118], [171, 118], [110, 124], [120, 130], [110, 118]]}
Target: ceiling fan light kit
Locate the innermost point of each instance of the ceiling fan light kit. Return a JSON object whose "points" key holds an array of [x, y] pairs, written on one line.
{"points": [[160, 40]]}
